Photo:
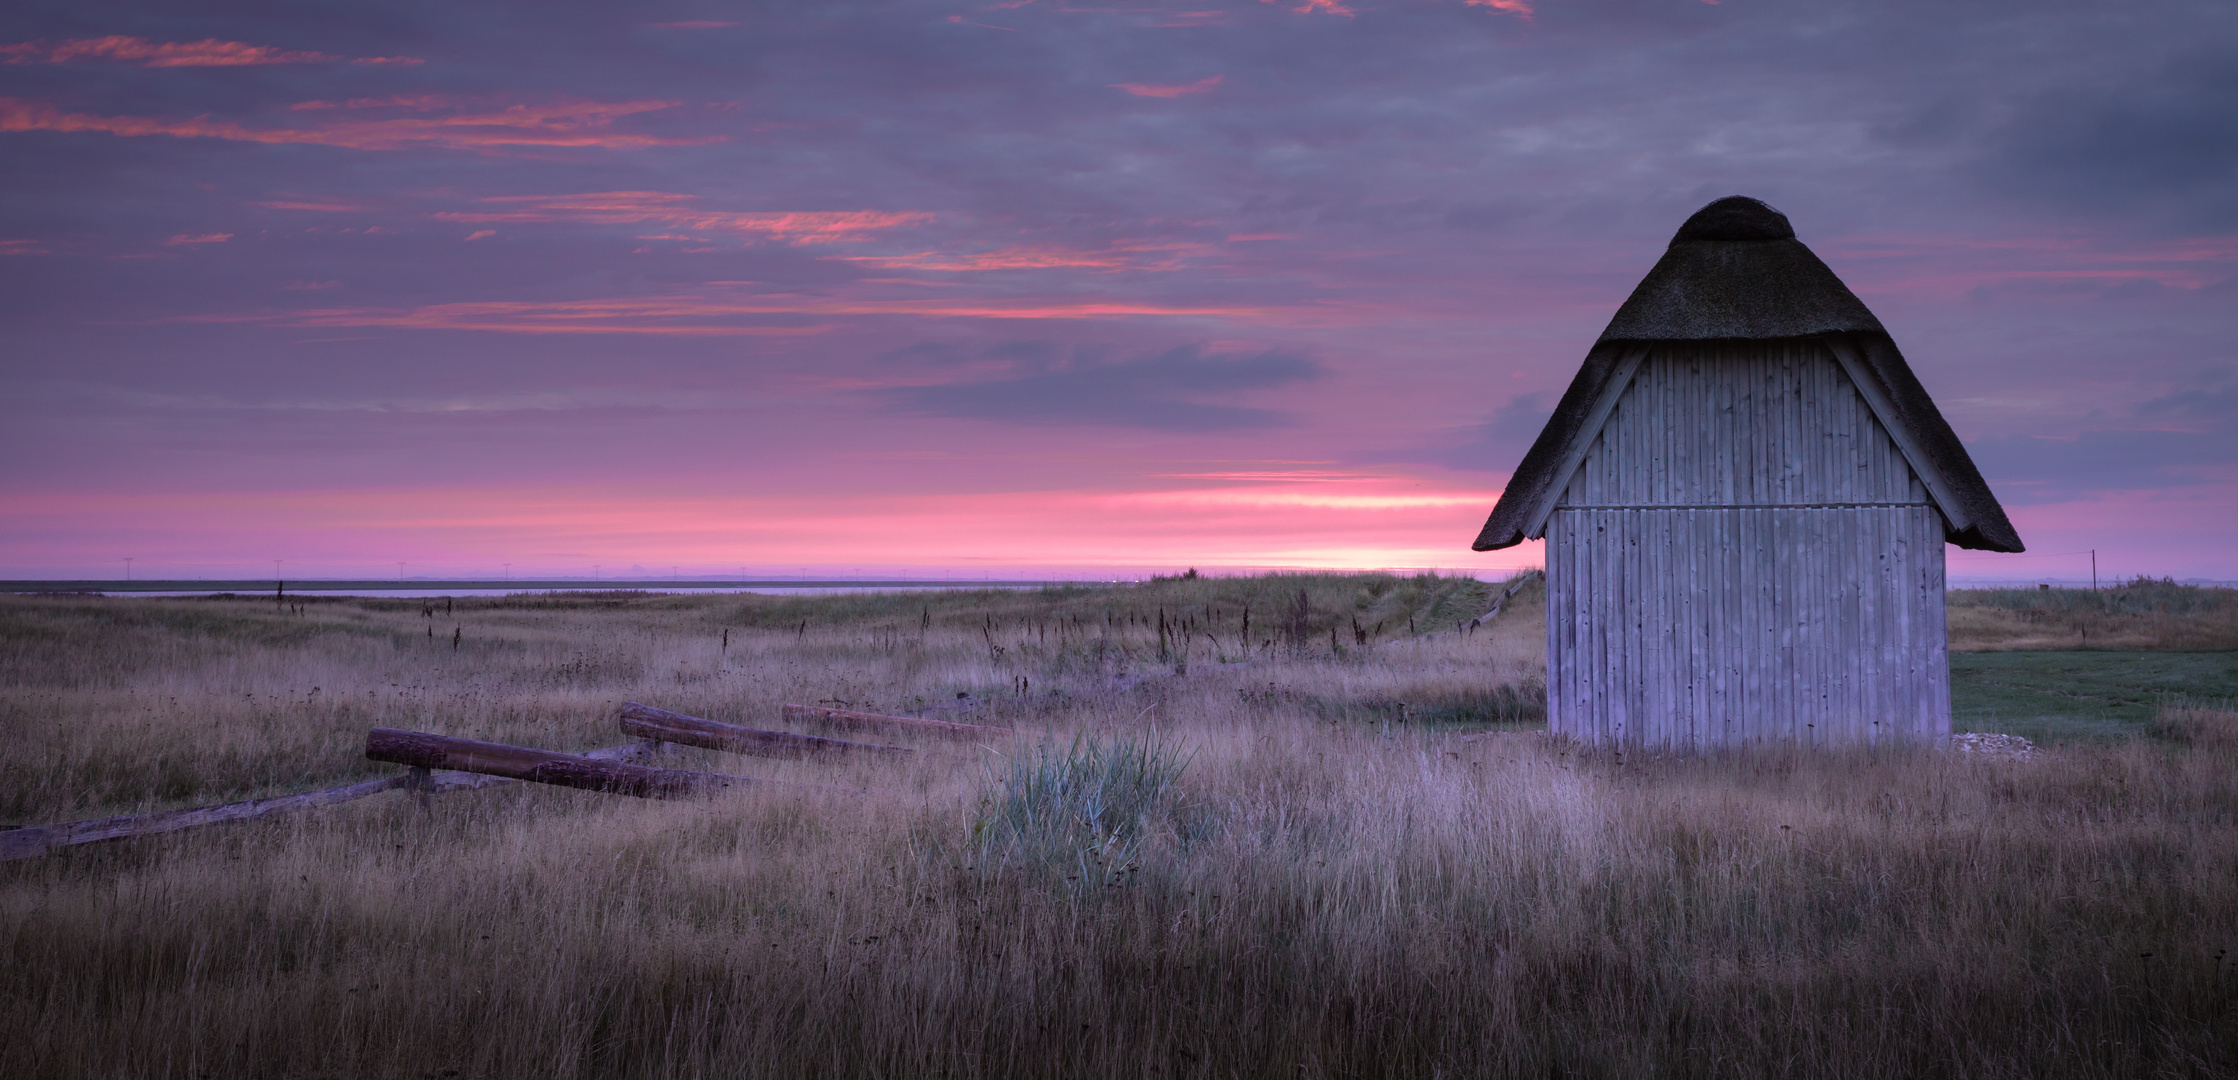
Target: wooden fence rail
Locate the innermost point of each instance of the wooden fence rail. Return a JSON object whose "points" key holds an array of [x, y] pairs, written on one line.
{"points": [[41, 839], [910, 724], [661, 725], [422, 750], [36, 840], [1505, 596], [442, 763]]}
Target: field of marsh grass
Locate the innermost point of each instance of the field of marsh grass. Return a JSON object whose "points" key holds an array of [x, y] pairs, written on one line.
{"points": [[1273, 855], [2139, 614]]}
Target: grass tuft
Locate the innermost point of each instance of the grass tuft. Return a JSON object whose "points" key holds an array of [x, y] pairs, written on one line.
{"points": [[1083, 809]]}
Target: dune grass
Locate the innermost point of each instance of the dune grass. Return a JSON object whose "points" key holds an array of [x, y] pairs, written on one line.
{"points": [[2141, 614], [1214, 855]]}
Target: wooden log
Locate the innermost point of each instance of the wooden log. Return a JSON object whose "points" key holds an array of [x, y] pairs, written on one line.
{"points": [[541, 766], [661, 725], [861, 720], [635, 753], [37, 840], [41, 839]]}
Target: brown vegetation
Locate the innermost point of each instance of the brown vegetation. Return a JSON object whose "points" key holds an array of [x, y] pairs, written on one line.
{"points": [[2142, 614], [1291, 861], [2212, 726]]}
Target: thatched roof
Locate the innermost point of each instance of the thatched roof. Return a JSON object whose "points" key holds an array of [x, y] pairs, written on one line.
{"points": [[1736, 272]]}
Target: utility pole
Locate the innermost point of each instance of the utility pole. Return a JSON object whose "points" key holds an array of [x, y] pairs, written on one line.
{"points": [[508, 573], [400, 573], [2094, 569], [128, 569]]}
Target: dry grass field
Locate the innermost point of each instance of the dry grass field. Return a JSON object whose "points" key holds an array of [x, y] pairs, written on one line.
{"points": [[1287, 854], [2141, 614]]}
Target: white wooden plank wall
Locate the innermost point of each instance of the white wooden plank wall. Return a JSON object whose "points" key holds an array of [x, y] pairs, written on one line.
{"points": [[1744, 555]]}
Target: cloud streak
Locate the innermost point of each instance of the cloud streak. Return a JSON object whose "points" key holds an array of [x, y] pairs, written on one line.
{"points": [[1325, 7], [678, 211], [1153, 90], [1120, 255], [209, 52], [705, 315], [1162, 392], [1521, 9], [568, 124]]}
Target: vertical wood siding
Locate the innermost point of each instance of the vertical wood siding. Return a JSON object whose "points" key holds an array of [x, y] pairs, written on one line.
{"points": [[1744, 555]]}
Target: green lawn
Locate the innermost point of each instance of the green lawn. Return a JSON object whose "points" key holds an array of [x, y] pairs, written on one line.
{"points": [[2080, 696]]}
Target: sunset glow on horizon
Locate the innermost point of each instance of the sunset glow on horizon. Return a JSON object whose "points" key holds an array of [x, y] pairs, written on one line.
{"points": [[1023, 289]]}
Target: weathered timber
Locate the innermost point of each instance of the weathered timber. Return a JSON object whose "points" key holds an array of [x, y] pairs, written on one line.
{"points": [[661, 725], [428, 751], [634, 753], [38, 840], [861, 720], [1505, 596], [41, 839], [1745, 555]]}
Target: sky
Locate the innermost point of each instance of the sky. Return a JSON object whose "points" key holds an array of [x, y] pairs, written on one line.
{"points": [[1034, 287]]}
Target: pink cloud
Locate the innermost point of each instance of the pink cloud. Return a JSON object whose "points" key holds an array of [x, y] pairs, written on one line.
{"points": [[678, 212], [1521, 9], [1201, 86], [184, 239], [983, 26], [481, 234], [714, 315], [417, 102], [1326, 7], [312, 205], [209, 52], [559, 124], [1121, 255], [22, 247], [1006, 259]]}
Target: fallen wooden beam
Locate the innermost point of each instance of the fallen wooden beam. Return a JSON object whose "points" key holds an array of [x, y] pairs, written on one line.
{"points": [[41, 839], [442, 780], [861, 720], [37, 840], [661, 725], [422, 750]]}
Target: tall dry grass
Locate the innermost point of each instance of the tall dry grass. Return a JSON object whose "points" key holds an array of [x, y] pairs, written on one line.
{"points": [[2140, 614], [1254, 869]]}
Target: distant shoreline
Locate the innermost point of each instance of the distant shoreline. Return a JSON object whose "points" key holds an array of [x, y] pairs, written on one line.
{"points": [[268, 586]]}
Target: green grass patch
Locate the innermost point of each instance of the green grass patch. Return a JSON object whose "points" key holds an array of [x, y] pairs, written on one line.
{"points": [[2052, 697]]}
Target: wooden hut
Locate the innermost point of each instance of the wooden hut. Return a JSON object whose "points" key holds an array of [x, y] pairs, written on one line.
{"points": [[1745, 495]]}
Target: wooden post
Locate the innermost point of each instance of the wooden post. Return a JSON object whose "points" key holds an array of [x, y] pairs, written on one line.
{"points": [[541, 766], [661, 725], [861, 720]]}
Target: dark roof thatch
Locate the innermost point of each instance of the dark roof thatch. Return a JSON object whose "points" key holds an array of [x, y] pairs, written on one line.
{"points": [[1736, 271]]}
